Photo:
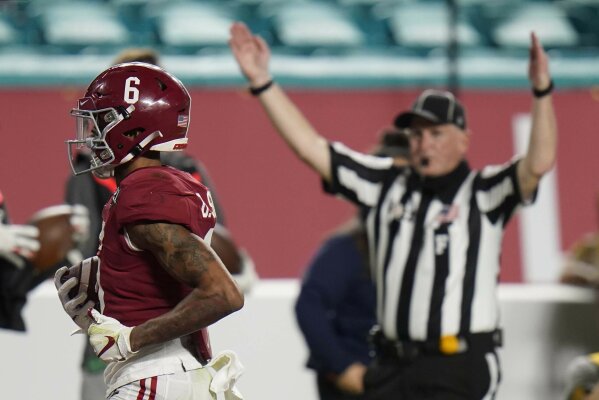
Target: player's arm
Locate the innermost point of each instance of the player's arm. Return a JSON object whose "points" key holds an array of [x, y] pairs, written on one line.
{"points": [[253, 55], [542, 147], [191, 261]]}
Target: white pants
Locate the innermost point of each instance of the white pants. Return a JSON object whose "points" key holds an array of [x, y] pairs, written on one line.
{"points": [[184, 385]]}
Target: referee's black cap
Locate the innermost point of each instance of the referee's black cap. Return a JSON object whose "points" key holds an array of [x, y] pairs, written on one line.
{"points": [[436, 106]]}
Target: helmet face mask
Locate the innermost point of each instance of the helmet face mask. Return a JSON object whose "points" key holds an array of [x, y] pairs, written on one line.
{"points": [[127, 110], [92, 137]]}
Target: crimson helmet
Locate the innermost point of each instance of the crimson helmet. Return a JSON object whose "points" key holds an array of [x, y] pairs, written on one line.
{"points": [[127, 110]]}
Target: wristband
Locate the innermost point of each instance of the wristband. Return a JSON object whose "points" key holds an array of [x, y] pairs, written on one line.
{"points": [[544, 92], [256, 91]]}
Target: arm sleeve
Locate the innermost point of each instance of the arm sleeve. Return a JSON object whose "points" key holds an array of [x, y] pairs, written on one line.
{"points": [[498, 192], [156, 205], [195, 168], [326, 284], [358, 177], [158, 200], [3, 211]]}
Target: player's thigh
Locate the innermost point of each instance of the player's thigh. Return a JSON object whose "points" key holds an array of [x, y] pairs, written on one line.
{"points": [[190, 385]]}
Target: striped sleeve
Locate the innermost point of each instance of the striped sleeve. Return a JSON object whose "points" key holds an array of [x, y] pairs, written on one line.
{"points": [[3, 213], [498, 193], [356, 176]]}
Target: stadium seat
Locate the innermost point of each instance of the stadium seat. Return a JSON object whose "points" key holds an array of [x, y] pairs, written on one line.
{"points": [[8, 34], [75, 25], [546, 19], [584, 15], [188, 25], [312, 25], [426, 25], [267, 3]]}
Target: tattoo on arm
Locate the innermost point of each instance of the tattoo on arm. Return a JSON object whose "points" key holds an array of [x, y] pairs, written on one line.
{"points": [[191, 261], [183, 256]]}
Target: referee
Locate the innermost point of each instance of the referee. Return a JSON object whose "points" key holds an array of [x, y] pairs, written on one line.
{"points": [[434, 229]]}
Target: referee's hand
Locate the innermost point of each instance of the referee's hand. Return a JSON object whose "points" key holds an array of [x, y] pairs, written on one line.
{"points": [[352, 379], [538, 64], [251, 53]]}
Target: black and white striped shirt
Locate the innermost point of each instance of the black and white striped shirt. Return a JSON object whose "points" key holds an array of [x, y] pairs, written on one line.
{"points": [[435, 243]]}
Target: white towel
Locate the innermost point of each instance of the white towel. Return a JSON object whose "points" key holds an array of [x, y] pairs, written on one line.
{"points": [[225, 369]]}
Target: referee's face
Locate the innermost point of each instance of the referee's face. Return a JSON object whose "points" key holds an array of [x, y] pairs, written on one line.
{"points": [[437, 149]]}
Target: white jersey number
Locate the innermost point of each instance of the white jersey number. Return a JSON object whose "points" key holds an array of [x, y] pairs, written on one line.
{"points": [[208, 210], [131, 92]]}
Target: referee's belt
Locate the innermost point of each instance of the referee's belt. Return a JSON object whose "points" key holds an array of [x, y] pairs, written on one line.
{"points": [[446, 345]]}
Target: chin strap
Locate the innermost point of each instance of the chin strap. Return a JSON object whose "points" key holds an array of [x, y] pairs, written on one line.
{"points": [[137, 150]]}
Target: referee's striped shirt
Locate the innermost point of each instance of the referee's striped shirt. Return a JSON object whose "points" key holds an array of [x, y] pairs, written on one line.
{"points": [[435, 243]]}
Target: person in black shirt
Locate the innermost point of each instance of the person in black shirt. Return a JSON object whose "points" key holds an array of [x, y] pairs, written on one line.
{"points": [[335, 309]]}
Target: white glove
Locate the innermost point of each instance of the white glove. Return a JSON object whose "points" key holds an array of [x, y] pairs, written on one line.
{"points": [[19, 239], [77, 307], [109, 338], [80, 223]]}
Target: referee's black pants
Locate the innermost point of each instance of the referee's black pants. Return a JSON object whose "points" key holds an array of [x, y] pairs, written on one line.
{"points": [[473, 375], [327, 390]]}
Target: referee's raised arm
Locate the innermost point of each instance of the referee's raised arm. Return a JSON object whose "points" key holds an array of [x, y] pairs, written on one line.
{"points": [[253, 56], [542, 146]]}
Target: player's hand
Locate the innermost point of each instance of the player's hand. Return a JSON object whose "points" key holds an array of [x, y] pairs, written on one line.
{"points": [[352, 379], [77, 307], [109, 338], [538, 64], [80, 223], [19, 239], [252, 54]]}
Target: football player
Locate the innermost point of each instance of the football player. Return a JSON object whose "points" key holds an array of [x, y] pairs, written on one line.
{"points": [[93, 192], [18, 243], [21, 268], [159, 283]]}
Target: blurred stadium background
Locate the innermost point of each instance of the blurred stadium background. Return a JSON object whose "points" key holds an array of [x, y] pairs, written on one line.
{"points": [[351, 65]]}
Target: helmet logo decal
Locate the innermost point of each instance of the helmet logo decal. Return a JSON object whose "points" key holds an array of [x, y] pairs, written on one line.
{"points": [[182, 121], [109, 117], [131, 92]]}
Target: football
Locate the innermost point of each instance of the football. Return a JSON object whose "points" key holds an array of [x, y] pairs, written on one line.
{"points": [[86, 273], [55, 235]]}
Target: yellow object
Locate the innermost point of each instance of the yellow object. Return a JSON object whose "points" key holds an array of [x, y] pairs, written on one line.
{"points": [[594, 357], [449, 344]]}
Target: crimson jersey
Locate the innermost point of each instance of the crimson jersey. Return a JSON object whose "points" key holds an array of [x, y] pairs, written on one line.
{"points": [[133, 286]]}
